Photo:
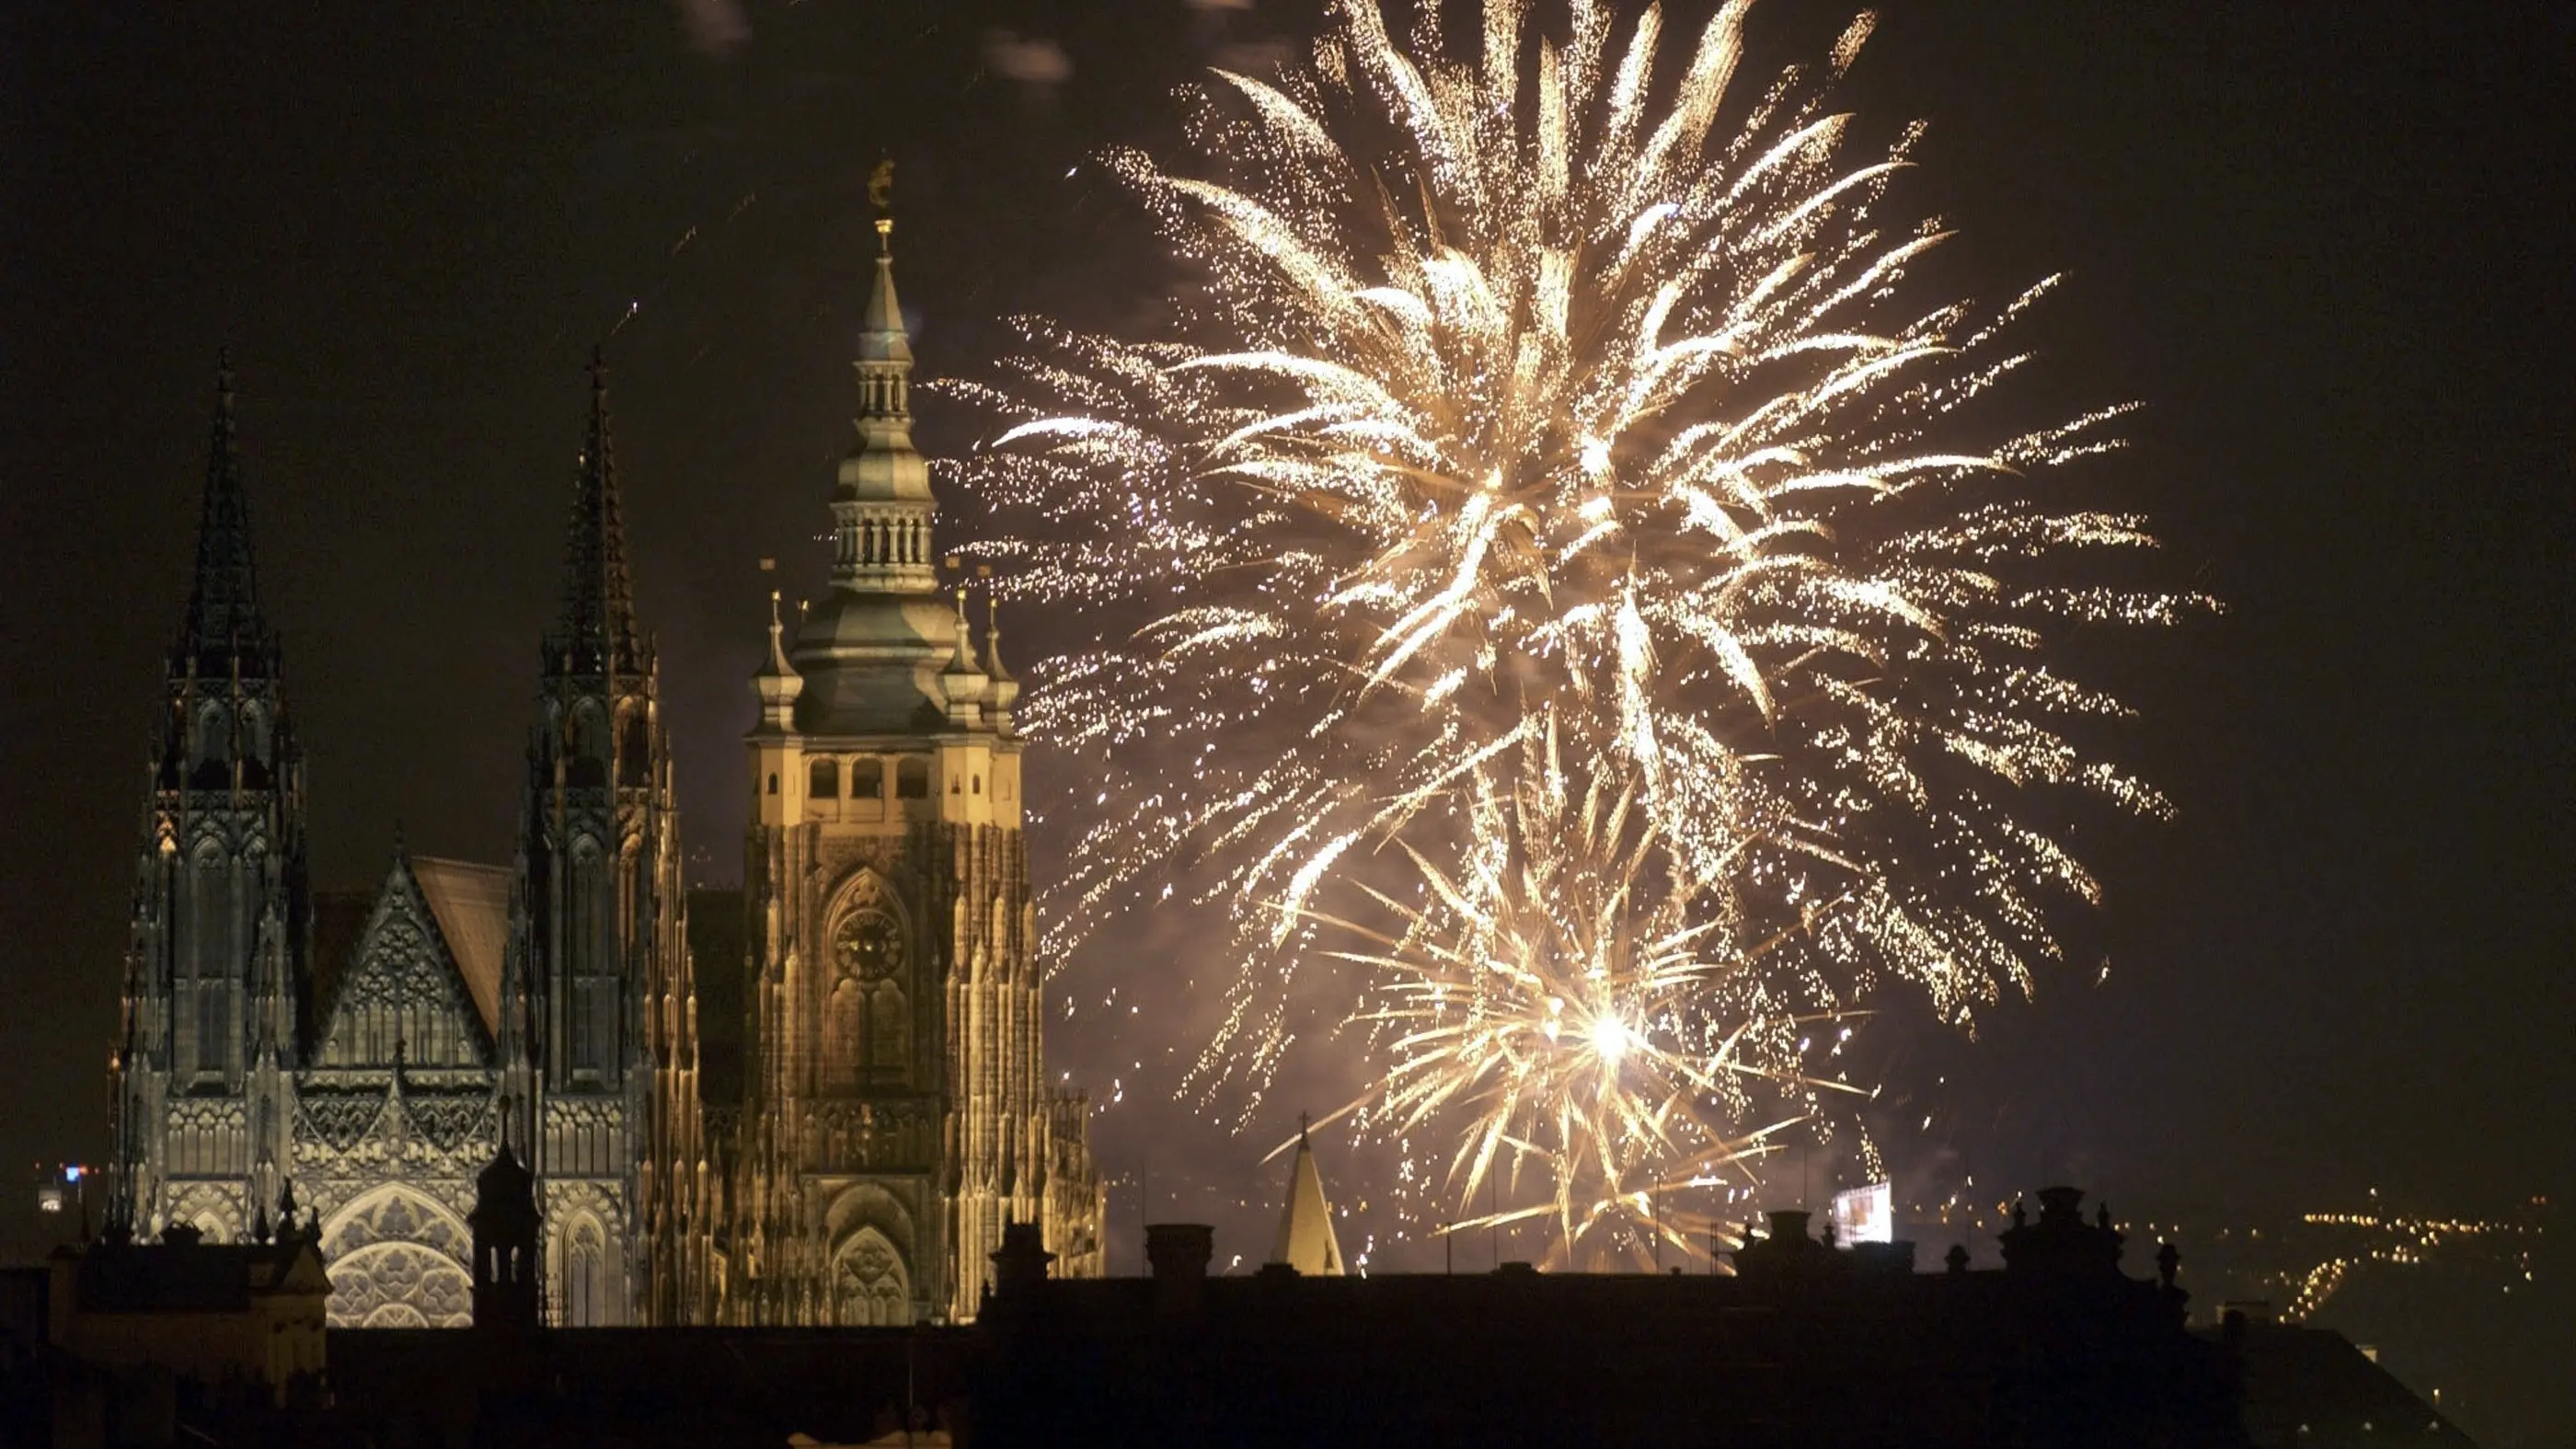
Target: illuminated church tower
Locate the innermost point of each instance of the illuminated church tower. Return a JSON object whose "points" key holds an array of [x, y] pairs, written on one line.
{"points": [[203, 1073], [897, 1113], [597, 1038]]}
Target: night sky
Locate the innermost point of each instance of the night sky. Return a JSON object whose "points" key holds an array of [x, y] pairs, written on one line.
{"points": [[2327, 245]]}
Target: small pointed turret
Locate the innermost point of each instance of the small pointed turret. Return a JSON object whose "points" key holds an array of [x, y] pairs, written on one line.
{"points": [[596, 633], [1006, 689], [964, 680], [223, 603], [1306, 1242], [777, 681]]}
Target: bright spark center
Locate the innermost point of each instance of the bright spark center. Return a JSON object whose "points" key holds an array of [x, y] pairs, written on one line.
{"points": [[1610, 1038]]}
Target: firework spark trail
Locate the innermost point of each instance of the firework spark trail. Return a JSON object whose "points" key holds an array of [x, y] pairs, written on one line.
{"points": [[1555, 1004], [1523, 388]]}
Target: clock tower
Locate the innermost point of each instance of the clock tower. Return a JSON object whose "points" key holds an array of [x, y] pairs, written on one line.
{"points": [[897, 1114]]}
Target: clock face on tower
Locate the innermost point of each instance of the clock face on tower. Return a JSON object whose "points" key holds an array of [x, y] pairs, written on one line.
{"points": [[869, 946]]}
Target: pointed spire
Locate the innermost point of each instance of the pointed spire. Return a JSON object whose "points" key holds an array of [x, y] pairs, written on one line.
{"points": [[963, 680], [1306, 1240], [882, 337], [993, 633], [963, 661], [1005, 689], [597, 633], [881, 334], [777, 681], [778, 667], [223, 603]]}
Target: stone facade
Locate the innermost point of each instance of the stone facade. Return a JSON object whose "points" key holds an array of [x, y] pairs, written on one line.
{"points": [[896, 1106], [887, 1109]]}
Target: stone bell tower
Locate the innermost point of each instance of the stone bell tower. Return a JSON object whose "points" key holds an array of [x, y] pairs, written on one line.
{"points": [[597, 1037], [216, 971], [897, 1115]]}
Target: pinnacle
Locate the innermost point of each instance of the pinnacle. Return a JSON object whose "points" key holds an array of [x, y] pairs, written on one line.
{"points": [[882, 337]]}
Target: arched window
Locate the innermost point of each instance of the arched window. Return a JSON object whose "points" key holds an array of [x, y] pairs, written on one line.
{"points": [[889, 1035], [823, 780], [867, 780], [586, 741], [214, 1025], [585, 1276], [912, 779], [869, 1285], [635, 751], [843, 1040], [214, 734], [592, 958], [868, 1031], [773, 782]]}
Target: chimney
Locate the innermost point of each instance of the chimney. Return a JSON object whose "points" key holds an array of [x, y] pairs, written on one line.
{"points": [[1179, 1253], [1020, 1264]]}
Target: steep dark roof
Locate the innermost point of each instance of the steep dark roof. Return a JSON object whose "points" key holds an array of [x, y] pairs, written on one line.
{"points": [[718, 946]]}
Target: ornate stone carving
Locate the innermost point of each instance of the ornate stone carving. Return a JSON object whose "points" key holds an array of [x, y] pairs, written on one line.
{"points": [[397, 1260]]}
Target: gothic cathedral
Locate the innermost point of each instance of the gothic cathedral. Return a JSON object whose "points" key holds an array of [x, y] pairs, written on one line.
{"points": [[814, 1101]]}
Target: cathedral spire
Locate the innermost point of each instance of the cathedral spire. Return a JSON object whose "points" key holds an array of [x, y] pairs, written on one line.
{"points": [[882, 507], [223, 603], [597, 633]]}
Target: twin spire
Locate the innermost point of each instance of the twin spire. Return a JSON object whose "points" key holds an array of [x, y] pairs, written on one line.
{"points": [[597, 632], [223, 603]]}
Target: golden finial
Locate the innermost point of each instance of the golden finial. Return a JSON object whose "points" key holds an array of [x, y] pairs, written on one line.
{"points": [[881, 196]]}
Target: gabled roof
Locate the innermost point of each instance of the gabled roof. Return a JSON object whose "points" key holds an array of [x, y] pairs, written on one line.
{"points": [[472, 903], [462, 911], [1306, 1242]]}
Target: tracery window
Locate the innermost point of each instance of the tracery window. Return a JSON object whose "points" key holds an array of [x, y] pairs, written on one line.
{"points": [[870, 1288], [214, 735], [843, 1040], [585, 1277], [868, 1024]]}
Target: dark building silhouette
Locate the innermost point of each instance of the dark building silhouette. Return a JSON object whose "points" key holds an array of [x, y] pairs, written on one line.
{"points": [[507, 1292], [1803, 1345]]}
